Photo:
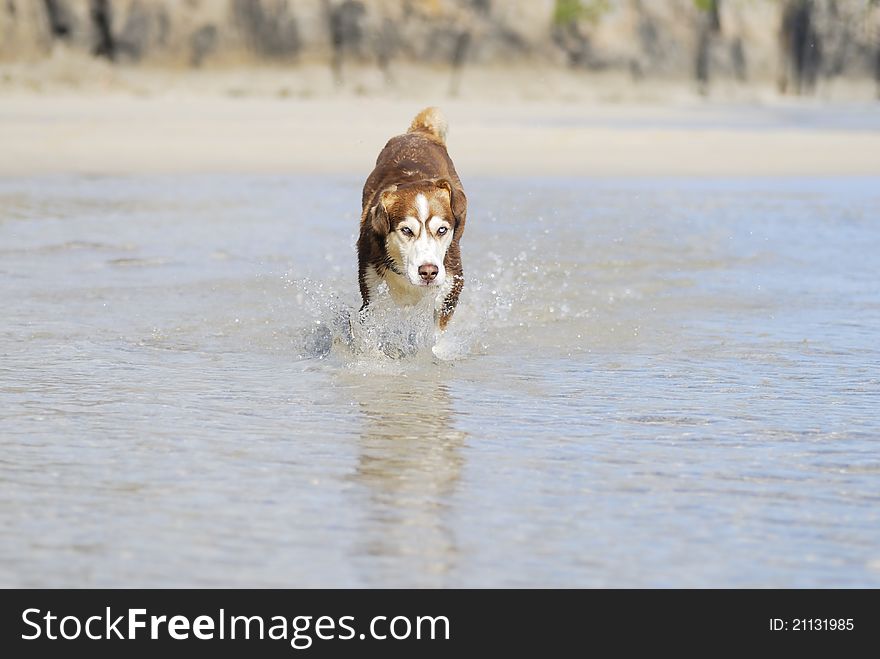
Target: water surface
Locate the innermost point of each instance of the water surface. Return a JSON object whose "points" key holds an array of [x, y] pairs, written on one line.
{"points": [[649, 382]]}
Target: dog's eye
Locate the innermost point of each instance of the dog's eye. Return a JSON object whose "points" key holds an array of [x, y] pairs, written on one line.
{"points": [[406, 231], [441, 231]]}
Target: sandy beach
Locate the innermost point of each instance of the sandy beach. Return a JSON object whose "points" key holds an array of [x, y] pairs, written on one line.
{"points": [[240, 123]]}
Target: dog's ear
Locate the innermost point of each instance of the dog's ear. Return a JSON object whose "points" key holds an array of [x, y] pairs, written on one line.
{"points": [[379, 212], [458, 203]]}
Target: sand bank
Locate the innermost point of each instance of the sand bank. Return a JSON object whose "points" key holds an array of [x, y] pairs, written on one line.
{"points": [[124, 133]]}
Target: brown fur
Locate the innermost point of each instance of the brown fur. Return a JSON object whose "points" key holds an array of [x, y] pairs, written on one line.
{"points": [[412, 163]]}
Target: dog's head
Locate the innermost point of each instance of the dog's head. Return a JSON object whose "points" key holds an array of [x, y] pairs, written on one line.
{"points": [[418, 222]]}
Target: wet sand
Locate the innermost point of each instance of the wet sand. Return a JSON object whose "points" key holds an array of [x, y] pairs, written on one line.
{"points": [[181, 132]]}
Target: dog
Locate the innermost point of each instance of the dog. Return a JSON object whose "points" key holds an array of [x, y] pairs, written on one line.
{"points": [[412, 219]]}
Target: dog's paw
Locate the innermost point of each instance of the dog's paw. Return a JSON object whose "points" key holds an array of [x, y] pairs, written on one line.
{"points": [[444, 349]]}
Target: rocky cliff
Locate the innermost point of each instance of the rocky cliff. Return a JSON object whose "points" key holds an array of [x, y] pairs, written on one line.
{"points": [[795, 42]]}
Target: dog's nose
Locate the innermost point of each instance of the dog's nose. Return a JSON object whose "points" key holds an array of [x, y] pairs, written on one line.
{"points": [[428, 271]]}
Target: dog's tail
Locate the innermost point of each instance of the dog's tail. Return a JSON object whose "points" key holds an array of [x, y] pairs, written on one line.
{"points": [[432, 122]]}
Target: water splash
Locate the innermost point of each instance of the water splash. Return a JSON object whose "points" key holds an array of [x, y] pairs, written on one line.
{"points": [[387, 333]]}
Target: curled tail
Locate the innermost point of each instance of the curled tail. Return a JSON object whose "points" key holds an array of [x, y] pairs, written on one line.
{"points": [[432, 122]]}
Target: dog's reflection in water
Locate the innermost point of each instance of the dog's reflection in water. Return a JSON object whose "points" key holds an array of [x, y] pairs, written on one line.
{"points": [[410, 463]]}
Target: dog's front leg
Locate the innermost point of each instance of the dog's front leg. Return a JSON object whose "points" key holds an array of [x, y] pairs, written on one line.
{"points": [[448, 297], [448, 301]]}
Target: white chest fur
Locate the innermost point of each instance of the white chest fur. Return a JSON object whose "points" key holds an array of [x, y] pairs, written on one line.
{"points": [[404, 293]]}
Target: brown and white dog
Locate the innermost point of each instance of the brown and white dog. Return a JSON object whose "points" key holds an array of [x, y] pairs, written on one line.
{"points": [[413, 217]]}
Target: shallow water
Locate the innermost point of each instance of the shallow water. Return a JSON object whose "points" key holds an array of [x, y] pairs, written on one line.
{"points": [[649, 382]]}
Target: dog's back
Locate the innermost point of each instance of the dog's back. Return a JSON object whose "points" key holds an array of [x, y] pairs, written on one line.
{"points": [[417, 155]]}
